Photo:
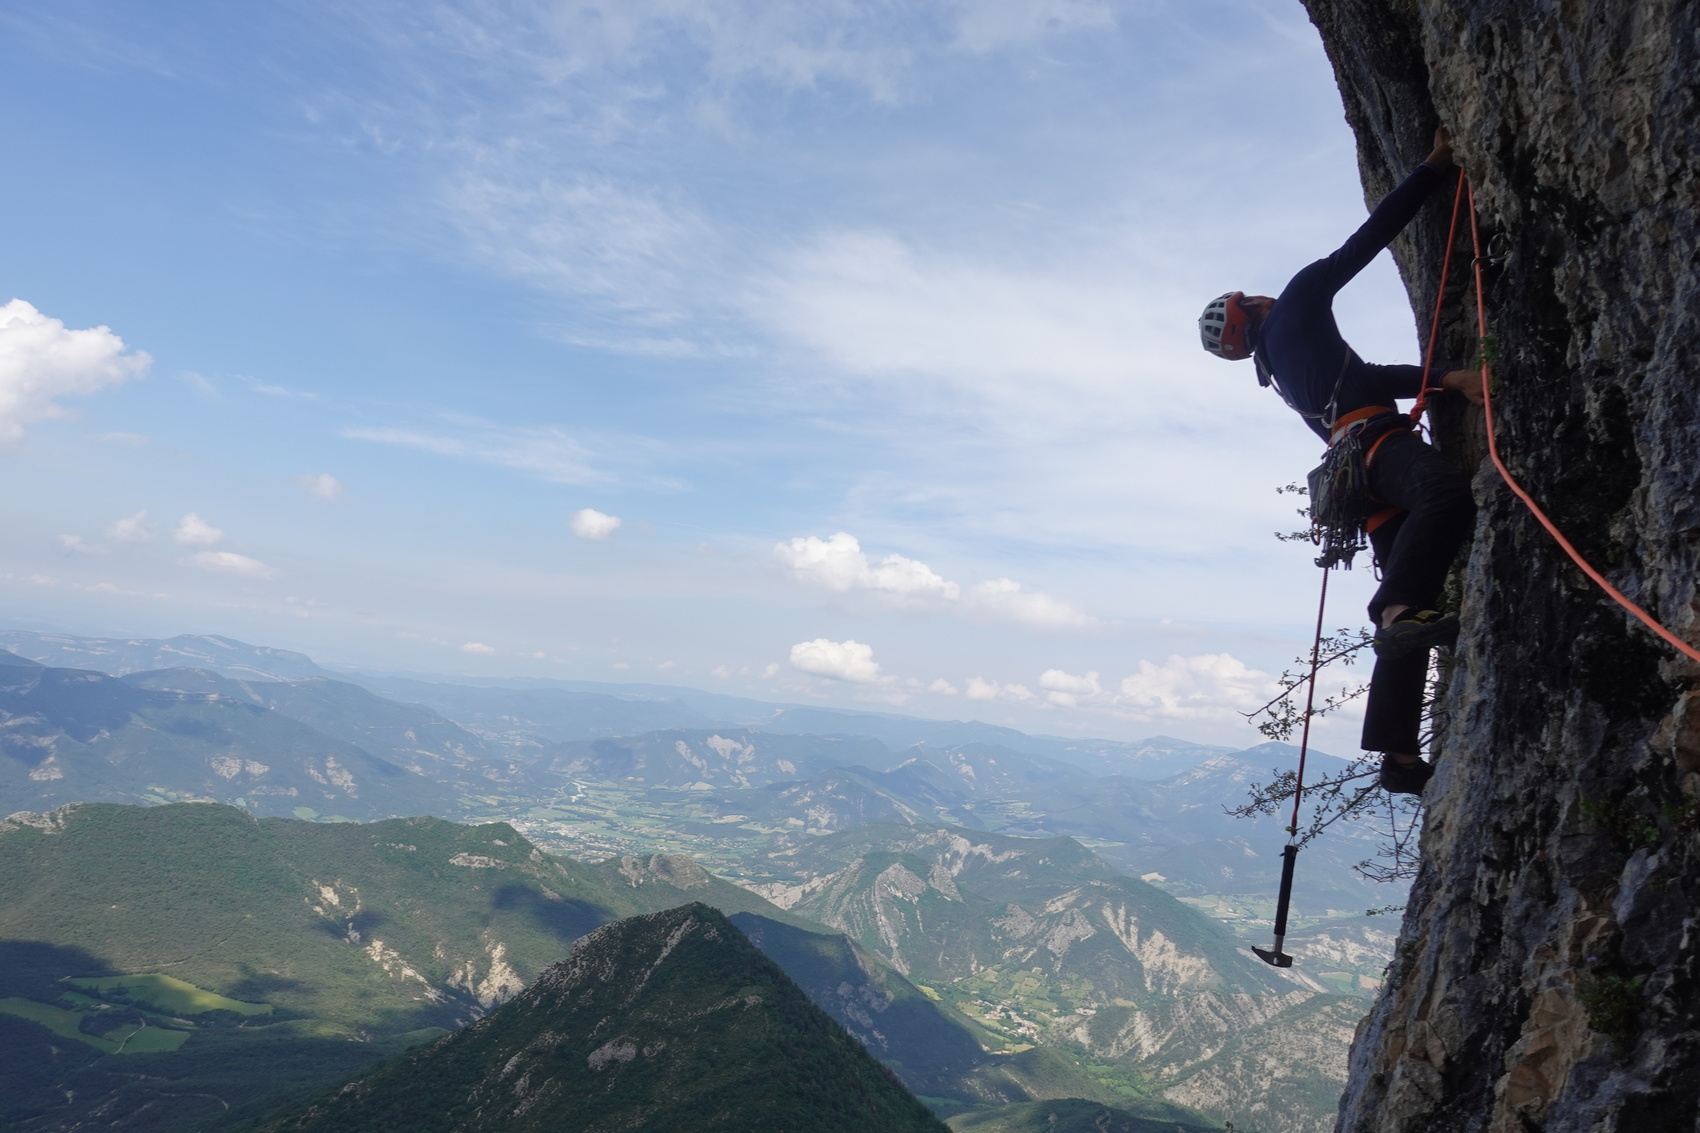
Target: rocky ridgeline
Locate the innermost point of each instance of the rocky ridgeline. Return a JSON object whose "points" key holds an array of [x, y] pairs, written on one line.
{"points": [[1548, 974]]}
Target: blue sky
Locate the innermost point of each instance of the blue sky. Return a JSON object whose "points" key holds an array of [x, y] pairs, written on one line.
{"points": [[873, 325]]}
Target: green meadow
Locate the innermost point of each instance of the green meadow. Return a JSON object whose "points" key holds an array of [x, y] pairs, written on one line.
{"points": [[167, 994], [127, 1036]]}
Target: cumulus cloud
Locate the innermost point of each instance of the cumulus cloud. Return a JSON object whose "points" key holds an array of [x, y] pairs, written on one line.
{"points": [[41, 360], [838, 660], [1065, 689], [132, 528], [229, 562], [838, 563], [196, 532], [982, 689], [942, 687], [477, 649], [588, 523], [324, 487]]}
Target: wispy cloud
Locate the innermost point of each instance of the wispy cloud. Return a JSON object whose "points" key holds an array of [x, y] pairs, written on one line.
{"points": [[542, 451], [323, 487], [194, 530], [229, 562], [131, 529]]}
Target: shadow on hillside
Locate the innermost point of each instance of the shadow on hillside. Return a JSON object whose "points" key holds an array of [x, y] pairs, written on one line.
{"points": [[564, 918], [32, 969], [259, 987]]}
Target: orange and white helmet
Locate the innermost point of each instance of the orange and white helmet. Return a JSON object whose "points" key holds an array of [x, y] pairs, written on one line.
{"points": [[1222, 327]]}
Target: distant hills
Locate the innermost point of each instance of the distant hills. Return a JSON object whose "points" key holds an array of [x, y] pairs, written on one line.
{"points": [[72, 735], [663, 1022], [959, 897], [526, 712]]}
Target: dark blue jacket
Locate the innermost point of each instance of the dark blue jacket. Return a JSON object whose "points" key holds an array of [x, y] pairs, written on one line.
{"points": [[1300, 342]]}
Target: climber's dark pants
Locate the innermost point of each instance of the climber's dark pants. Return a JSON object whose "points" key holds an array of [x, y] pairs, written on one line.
{"points": [[1415, 550]]}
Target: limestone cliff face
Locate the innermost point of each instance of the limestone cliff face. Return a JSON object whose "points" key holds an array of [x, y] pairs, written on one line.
{"points": [[1548, 974]]}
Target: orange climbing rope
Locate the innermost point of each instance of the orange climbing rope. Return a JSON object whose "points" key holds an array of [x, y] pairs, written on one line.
{"points": [[1416, 413], [1465, 190]]}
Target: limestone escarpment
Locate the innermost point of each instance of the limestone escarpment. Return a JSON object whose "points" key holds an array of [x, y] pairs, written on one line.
{"points": [[1548, 974]]}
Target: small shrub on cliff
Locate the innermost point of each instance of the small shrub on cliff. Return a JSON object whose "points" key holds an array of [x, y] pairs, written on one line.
{"points": [[1613, 1002]]}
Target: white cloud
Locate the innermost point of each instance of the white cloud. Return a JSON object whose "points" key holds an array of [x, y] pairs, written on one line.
{"points": [[132, 528], [838, 660], [324, 487], [1209, 686], [229, 562], [1004, 599], [588, 523], [477, 649], [75, 544], [942, 687], [1065, 689], [41, 360], [195, 531], [1060, 681], [839, 564], [981, 689], [771, 670]]}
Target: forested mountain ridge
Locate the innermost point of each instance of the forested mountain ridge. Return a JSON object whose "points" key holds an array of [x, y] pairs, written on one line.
{"points": [[1548, 975], [671, 1020]]}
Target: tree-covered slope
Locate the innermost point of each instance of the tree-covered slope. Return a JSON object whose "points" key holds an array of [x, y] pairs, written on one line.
{"points": [[657, 1023], [305, 950]]}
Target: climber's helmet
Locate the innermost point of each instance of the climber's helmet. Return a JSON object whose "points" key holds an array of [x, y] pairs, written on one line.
{"points": [[1223, 326]]}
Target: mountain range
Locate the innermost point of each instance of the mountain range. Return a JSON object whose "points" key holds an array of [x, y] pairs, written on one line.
{"points": [[1080, 980]]}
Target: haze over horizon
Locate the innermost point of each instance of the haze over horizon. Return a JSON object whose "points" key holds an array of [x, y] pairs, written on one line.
{"points": [[808, 352]]}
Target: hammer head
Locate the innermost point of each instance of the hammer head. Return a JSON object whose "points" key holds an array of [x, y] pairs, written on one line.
{"points": [[1275, 959]]}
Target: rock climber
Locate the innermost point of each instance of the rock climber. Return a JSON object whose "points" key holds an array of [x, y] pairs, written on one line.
{"points": [[1427, 511]]}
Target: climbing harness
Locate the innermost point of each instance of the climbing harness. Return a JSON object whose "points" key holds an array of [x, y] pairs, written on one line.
{"points": [[1290, 852], [1342, 511], [1466, 191]]}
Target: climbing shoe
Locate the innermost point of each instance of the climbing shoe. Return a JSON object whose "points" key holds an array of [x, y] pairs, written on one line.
{"points": [[1414, 630], [1404, 778]]}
